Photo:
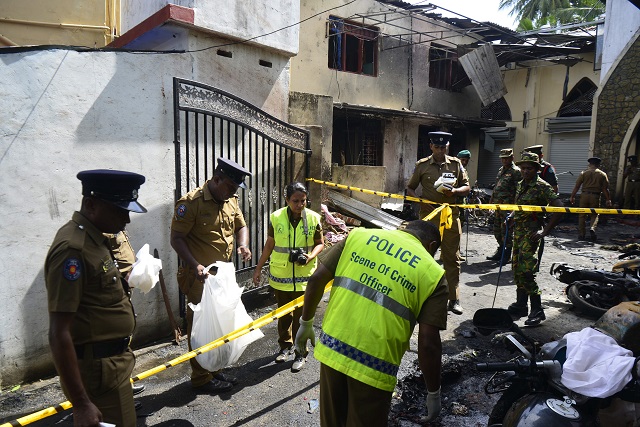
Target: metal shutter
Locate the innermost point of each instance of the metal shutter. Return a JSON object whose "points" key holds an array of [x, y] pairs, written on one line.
{"points": [[568, 152], [489, 163]]}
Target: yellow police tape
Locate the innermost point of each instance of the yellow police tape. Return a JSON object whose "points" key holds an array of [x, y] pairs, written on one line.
{"points": [[490, 206], [256, 324]]}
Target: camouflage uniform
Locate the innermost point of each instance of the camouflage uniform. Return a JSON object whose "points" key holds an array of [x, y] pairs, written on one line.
{"points": [[536, 193], [505, 192]]}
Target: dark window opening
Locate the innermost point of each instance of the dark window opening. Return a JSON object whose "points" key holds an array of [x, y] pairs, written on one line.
{"points": [[224, 53], [357, 141], [497, 110], [265, 63], [445, 72], [353, 47], [579, 102]]}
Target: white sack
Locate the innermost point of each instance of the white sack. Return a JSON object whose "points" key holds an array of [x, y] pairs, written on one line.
{"points": [[146, 270], [220, 312], [596, 365]]}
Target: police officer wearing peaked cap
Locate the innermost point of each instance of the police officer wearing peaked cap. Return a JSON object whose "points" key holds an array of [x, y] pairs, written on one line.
{"points": [[91, 318], [427, 172], [233, 171], [207, 222], [547, 172]]}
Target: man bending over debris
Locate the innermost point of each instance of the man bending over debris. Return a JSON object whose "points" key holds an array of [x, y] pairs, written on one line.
{"points": [[366, 328]]}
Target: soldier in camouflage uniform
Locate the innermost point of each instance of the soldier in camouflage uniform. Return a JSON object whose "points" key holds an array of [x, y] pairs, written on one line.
{"points": [[529, 228], [504, 192]]}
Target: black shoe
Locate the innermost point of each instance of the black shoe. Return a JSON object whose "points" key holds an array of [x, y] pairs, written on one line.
{"points": [[214, 386], [225, 377], [455, 307], [137, 404], [535, 317], [516, 310], [592, 234], [496, 256], [137, 388]]}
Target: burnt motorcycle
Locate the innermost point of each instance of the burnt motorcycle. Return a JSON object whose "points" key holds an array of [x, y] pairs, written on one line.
{"points": [[532, 392], [593, 291]]}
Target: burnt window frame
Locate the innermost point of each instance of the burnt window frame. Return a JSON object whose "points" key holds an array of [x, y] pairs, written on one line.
{"points": [[346, 36], [579, 100], [357, 140], [445, 71]]}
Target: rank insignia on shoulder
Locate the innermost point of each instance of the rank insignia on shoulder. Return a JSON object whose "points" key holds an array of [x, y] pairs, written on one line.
{"points": [[71, 269], [181, 210]]}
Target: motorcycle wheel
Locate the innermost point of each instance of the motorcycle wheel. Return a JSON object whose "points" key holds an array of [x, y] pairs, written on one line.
{"points": [[508, 398], [588, 299]]}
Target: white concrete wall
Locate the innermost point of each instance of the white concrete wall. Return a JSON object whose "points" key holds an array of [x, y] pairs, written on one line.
{"points": [[67, 111], [240, 19], [621, 24]]}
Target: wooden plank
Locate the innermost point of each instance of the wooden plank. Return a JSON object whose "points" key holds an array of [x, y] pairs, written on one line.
{"points": [[482, 68]]}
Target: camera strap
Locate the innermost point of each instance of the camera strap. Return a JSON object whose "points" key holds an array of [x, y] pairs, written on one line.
{"points": [[305, 228]]}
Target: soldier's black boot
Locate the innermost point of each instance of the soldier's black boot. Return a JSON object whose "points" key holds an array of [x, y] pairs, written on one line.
{"points": [[519, 308], [497, 255], [506, 258], [537, 314]]}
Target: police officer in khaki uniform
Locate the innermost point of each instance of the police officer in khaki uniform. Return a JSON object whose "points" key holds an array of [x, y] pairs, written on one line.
{"points": [[91, 318], [125, 257], [593, 182], [428, 170], [204, 224], [632, 185]]}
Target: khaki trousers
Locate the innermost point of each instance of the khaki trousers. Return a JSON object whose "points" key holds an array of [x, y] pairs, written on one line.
{"points": [[288, 324], [347, 402], [450, 255], [588, 200]]}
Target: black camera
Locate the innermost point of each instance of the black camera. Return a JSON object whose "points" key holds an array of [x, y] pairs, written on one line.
{"points": [[297, 256]]}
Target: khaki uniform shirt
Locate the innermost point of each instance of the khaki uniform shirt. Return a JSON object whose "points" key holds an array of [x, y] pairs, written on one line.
{"points": [[593, 180], [210, 226], [122, 252], [427, 173], [434, 309], [633, 173], [82, 278]]}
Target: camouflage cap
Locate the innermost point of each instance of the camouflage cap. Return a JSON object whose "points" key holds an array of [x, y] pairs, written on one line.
{"points": [[506, 152], [529, 158]]}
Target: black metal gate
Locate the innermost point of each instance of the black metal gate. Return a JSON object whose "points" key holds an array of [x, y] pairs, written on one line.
{"points": [[210, 123]]}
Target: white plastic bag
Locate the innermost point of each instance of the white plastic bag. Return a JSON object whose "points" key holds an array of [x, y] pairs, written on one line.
{"points": [[146, 270], [220, 312], [596, 365]]}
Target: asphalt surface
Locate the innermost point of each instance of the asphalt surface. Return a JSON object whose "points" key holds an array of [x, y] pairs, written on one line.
{"points": [[269, 394]]}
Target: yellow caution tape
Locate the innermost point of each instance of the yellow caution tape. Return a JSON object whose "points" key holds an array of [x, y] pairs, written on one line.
{"points": [[489, 206], [256, 324]]}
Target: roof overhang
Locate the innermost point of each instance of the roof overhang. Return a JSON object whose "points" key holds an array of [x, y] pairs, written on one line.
{"points": [[429, 118], [152, 26]]}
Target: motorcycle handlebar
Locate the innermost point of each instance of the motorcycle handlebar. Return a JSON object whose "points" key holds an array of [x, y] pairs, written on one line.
{"points": [[517, 366], [497, 366]]}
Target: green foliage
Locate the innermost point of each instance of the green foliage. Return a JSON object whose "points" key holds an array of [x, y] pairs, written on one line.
{"points": [[552, 12]]}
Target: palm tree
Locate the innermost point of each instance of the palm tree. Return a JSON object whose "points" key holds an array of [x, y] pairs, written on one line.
{"points": [[542, 12]]}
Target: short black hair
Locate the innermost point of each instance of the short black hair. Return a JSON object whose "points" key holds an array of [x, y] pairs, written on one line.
{"points": [[424, 230], [293, 187]]}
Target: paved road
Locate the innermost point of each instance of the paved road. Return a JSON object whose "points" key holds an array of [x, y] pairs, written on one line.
{"points": [[270, 394]]}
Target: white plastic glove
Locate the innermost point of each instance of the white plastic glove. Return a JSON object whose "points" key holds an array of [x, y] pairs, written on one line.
{"points": [[305, 332], [433, 405]]}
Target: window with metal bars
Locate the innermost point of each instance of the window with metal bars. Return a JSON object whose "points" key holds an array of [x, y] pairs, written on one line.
{"points": [[579, 102], [497, 110], [353, 47]]}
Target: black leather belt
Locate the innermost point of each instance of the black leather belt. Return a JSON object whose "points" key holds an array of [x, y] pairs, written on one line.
{"points": [[103, 349], [634, 180], [591, 192]]}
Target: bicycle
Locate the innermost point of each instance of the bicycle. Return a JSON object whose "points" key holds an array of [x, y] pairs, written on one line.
{"points": [[477, 216]]}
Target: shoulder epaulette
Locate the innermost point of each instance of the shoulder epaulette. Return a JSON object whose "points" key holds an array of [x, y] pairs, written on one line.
{"points": [[77, 238]]}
